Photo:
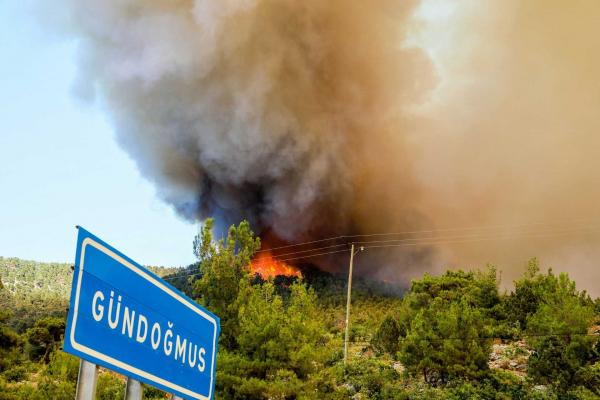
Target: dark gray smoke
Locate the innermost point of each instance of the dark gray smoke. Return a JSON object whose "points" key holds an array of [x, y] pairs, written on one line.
{"points": [[273, 111], [315, 118]]}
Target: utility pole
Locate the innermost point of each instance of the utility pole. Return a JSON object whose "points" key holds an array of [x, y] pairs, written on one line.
{"points": [[348, 301]]}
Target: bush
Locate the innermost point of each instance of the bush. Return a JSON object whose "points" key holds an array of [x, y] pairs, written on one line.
{"points": [[387, 336], [447, 341], [55, 390], [536, 289], [42, 338], [589, 377], [478, 289], [371, 378], [62, 366], [19, 392], [15, 374], [558, 336], [280, 344], [109, 386], [151, 393]]}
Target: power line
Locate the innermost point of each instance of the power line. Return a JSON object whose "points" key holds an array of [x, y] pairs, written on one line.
{"points": [[413, 239], [374, 244], [312, 255], [427, 231], [499, 235], [448, 240], [310, 250], [264, 263], [477, 239], [259, 263]]}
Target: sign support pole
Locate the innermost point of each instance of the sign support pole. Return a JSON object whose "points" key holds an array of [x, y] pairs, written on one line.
{"points": [[86, 382], [175, 397], [133, 389]]}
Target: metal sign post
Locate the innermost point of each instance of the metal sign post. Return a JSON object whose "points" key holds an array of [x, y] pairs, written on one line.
{"points": [[133, 389], [86, 382]]}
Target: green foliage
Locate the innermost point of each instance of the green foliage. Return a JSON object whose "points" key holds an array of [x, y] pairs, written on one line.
{"points": [[59, 378], [561, 312], [10, 343], [558, 334], [279, 345], [444, 325], [387, 335], [282, 338], [372, 379], [557, 362], [536, 289], [181, 278], [15, 374], [589, 377], [63, 366], [59, 390], [109, 386], [34, 290], [271, 340], [151, 393], [446, 341], [46, 333], [479, 289], [8, 338], [223, 265]]}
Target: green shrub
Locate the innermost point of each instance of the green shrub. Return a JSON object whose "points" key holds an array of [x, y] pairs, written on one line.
{"points": [[151, 393], [56, 390], [445, 342], [387, 336], [558, 335], [62, 366], [109, 386], [15, 374]]}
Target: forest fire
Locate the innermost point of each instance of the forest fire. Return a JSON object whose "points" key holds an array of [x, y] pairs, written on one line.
{"points": [[267, 266]]}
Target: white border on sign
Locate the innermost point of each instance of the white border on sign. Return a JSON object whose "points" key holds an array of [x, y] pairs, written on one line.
{"points": [[84, 349]]}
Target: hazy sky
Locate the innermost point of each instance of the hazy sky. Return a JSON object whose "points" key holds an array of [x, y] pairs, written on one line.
{"points": [[60, 165]]}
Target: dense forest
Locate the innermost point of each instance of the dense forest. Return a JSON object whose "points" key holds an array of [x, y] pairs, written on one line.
{"points": [[454, 336]]}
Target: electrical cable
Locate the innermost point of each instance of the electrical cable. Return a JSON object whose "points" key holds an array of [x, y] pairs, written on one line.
{"points": [[434, 241], [429, 231], [474, 237], [410, 239]]}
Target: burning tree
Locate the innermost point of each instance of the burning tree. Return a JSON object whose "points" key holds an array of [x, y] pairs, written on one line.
{"points": [[223, 264], [269, 345]]}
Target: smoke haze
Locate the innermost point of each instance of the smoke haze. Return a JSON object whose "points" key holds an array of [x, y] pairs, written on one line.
{"points": [[320, 118]]}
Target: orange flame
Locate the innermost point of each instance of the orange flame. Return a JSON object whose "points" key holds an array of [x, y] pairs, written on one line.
{"points": [[267, 266]]}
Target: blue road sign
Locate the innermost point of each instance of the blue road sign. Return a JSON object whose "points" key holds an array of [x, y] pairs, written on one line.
{"points": [[125, 318]]}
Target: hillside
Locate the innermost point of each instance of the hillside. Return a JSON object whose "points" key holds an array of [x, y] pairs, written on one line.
{"points": [[452, 336], [36, 289], [33, 290]]}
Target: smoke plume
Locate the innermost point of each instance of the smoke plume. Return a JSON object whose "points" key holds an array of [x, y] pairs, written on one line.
{"points": [[317, 118]]}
